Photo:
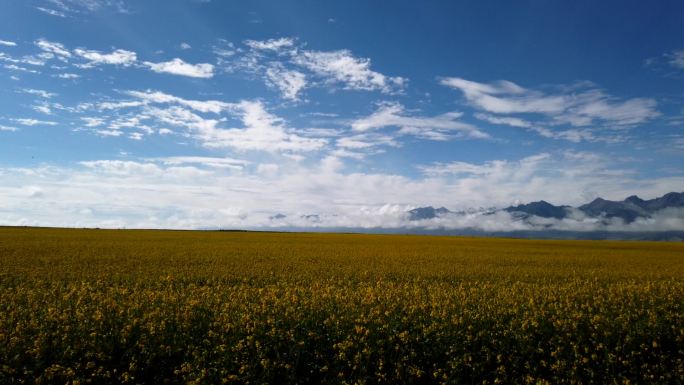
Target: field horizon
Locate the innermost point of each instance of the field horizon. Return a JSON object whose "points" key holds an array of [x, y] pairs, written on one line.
{"points": [[555, 235]]}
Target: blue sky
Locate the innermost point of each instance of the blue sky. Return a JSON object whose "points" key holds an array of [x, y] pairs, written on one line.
{"points": [[197, 113]]}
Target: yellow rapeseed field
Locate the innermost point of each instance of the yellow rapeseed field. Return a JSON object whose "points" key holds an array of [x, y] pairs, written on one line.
{"points": [[171, 307]]}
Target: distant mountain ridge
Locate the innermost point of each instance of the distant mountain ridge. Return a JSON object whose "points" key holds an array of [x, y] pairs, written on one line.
{"points": [[628, 210], [428, 212], [542, 209]]}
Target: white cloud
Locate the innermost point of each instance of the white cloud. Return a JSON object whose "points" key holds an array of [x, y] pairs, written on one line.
{"points": [[68, 76], [43, 109], [13, 67], [342, 67], [185, 46], [225, 49], [213, 162], [575, 135], [32, 60], [34, 122], [113, 105], [117, 57], [505, 120], [51, 12], [83, 6], [53, 48], [8, 128], [197, 192], [287, 66], [8, 43], [128, 122], [262, 130], [360, 145], [179, 67], [366, 140], [676, 58], [92, 121], [495, 167], [440, 127], [271, 44], [290, 83], [42, 93], [124, 168], [109, 133], [158, 97], [578, 108]]}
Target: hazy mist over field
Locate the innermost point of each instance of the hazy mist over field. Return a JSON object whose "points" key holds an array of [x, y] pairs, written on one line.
{"points": [[201, 114]]}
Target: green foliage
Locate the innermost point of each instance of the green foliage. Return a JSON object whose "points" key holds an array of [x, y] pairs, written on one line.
{"points": [[163, 307]]}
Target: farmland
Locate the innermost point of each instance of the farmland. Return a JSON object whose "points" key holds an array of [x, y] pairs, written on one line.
{"points": [[170, 307]]}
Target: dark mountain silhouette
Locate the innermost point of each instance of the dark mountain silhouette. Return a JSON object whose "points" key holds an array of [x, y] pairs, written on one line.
{"points": [[427, 213], [633, 207], [672, 199], [542, 209], [628, 210], [311, 217]]}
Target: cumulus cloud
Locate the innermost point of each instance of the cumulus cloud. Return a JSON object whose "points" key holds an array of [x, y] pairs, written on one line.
{"points": [[41, 93], [149, 96], [287, 66], [210, 122], [63, 8], [441, 127], [271, 44], [92, 121], [68, 76], [31, 60], [213, 162], [8, 43], [351, 72], [13, 67], [179, 67], [262, 131], [34, 122], [290, 83], [224, 50], [53, 48], [43, 109], [117, 57], [578, 108]]}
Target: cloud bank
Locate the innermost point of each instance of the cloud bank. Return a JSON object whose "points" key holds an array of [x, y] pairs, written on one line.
{"points": [[218, 192]]}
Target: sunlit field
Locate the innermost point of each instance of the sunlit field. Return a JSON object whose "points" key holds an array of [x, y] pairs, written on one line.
{"points": [[169, 307]]}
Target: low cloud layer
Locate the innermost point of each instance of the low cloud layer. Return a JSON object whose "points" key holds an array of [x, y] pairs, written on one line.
{"points": [[215, 192]]}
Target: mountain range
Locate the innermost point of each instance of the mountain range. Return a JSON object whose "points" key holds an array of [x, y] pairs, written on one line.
{"points": [[628, 210]]}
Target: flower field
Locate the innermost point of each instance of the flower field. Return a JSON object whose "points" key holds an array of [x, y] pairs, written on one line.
{"points": [[172, 307]]}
